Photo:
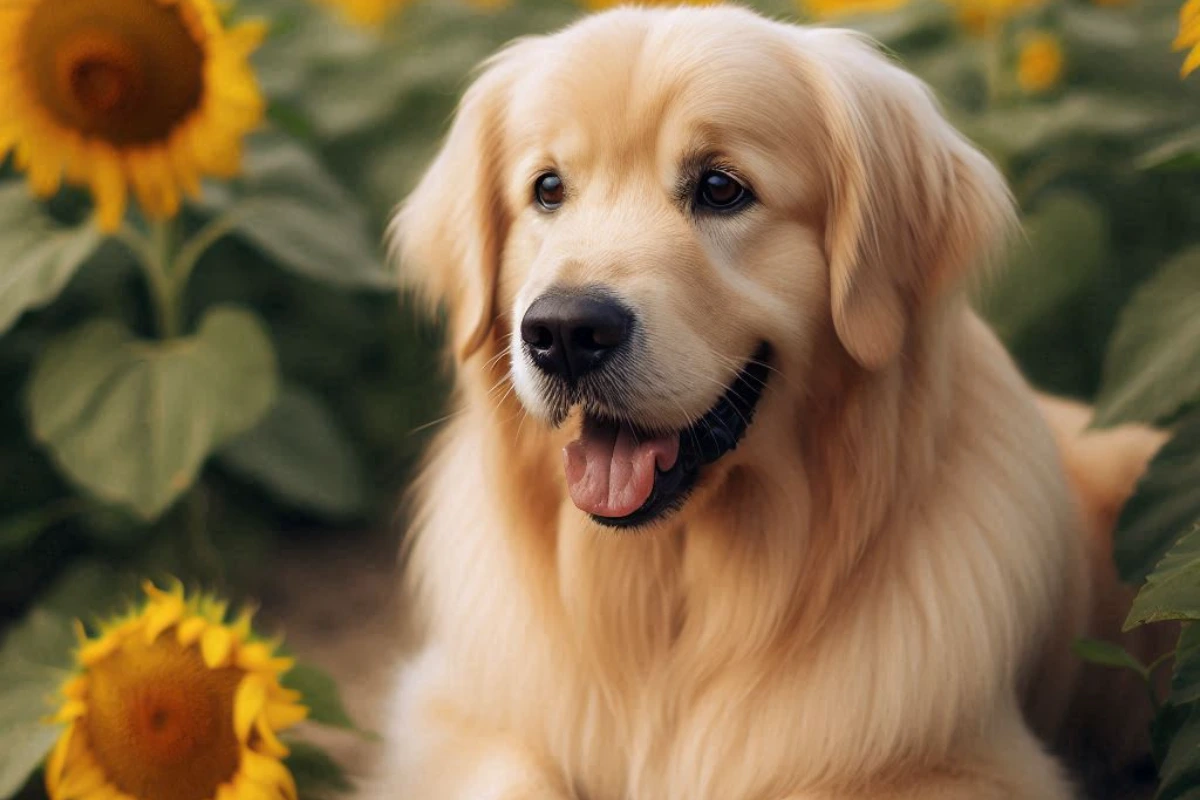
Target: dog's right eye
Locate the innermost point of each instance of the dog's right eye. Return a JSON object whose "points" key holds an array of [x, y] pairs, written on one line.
{"points": [[548, 191]]}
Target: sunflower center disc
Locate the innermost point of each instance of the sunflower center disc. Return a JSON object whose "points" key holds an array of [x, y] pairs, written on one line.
{"points": [[99, 86], [160, 723], [123, 71]]}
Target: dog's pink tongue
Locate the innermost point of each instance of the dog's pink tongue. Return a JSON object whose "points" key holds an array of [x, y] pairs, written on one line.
{"points": [[611, 474]]}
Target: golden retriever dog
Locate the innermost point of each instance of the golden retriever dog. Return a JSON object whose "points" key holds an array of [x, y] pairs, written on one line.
{"points": [[740, 500]]}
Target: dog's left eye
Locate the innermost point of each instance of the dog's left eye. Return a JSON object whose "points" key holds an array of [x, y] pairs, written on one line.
{"points": [[721, 191]]}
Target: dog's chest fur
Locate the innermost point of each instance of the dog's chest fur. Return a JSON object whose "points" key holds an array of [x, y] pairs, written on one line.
{"points": [[649, 666]]}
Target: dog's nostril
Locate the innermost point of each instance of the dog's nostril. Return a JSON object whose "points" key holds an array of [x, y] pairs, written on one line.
{"points": [[538, 336], [601, 337]]}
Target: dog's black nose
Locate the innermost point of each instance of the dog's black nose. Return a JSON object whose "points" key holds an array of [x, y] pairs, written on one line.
{"points": [[569, 334]]}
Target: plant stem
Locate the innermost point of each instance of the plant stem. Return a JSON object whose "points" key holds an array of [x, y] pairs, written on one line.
{"points": [[192, 250], [203, 554], [994, 64], [164, 238]]}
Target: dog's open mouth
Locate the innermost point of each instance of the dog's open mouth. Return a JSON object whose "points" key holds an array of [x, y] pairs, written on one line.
{"points": [[625, 477]]}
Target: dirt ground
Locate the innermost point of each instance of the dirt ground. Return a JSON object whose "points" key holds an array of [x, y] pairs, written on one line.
{"points": [[337, 602]]}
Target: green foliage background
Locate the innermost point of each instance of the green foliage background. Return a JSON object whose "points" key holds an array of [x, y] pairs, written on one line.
{"points": [[1101, 300]]}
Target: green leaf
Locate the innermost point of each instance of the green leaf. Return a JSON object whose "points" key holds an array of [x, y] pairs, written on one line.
{"points": [[1107, 654], [1180, 152], [296, 213], [17, 532], [1163, 507], [90, 590], [1180, 771], [1152, 368], [1067, 241], [1185, 680], [320, 693], [299, 453], [38, 255], [1078, 117], [315, 771], [1172, 591], [33, 664], [132, 421]]}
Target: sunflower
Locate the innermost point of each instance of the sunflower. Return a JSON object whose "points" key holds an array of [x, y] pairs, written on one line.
{"points": [[599, 5], [1039, 63], [823, 9], [120, 94], [1189, 35], [373, 13], [171, 702], [982, 17]]}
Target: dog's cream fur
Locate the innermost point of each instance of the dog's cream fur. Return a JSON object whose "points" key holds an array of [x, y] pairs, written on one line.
{"points": [[872, 597]]}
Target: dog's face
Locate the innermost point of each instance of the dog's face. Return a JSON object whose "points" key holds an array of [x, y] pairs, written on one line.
{"points": [[659, 213]]}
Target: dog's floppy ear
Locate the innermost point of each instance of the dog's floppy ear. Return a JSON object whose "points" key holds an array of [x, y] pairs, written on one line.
{"points": [[913, 205], [450, 231]]}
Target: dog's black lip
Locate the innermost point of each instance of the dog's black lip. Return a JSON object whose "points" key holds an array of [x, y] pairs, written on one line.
{"points": [[706, 441]]}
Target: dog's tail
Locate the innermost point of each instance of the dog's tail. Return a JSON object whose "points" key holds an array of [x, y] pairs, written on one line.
{"points": [[1111, 713]]}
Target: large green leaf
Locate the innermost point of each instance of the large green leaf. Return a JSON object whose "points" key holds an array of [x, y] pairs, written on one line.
{"points": [[316, 773], [1172, 591], [300, 454], [1185, 680], [1180, 151], [1078, 117], [1180, 770], [1107, 654], [1165, 505], [33, 663], [296, 213], [133, 421], [37, 255], [1153, 365], [1067, 240], [320, 693]]}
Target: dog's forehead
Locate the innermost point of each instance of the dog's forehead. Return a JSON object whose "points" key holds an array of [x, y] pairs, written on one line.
{"points": [[625, 80]]}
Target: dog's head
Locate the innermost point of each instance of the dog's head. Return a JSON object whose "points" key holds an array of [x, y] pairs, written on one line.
{"points": [[663, 214]]}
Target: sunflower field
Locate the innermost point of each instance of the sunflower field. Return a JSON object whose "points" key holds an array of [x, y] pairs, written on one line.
{"points": [[207, 369]]}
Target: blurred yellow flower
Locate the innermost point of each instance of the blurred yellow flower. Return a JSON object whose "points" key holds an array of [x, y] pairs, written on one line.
{"points": [[142, 94], [373, 13], [981, 17], [597, 5], [1039, 63], [172, 702], [1189, 35], [823, 9], [367, 12]]}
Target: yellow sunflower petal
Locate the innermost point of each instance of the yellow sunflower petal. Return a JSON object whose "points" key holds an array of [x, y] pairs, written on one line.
{"points": [[216, 645], [282, 716], [75, 688], [108, 187], [1191, 63], [98, 650], [269, 772], [190, 630], [70, 711], [246, 789], [80, 783], [57, 759], [249, 703], [268, 742], [165, 613]]}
